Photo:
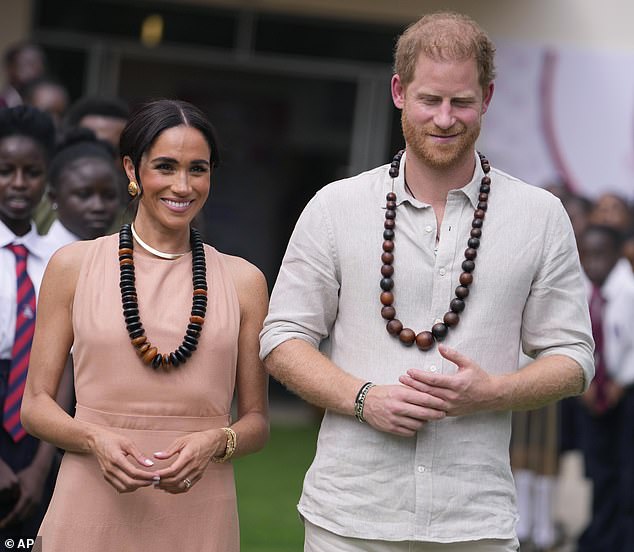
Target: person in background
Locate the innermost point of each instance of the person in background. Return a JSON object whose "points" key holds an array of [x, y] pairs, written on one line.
{"points": [[147, 453], [26, 465], [606, 416], [23, 62], [48, 95], [611, 209], [105, 116], [84, 188], [413, 450]]}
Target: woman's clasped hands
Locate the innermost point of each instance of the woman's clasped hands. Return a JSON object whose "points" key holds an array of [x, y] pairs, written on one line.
{"points": [[125, 467]]}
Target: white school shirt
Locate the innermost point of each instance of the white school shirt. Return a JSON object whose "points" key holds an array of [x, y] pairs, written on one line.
{"points": [[39, 254]]}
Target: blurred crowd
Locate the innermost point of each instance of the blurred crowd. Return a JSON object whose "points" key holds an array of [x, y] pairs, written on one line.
{"points": [[600, 423]]}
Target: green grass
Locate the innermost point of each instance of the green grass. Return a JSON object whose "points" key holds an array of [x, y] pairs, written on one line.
{"points": [[268, 485]]}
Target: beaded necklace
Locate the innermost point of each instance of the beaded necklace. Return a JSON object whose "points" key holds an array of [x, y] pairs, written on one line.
{"points": [[425, 340], [148, 353]]}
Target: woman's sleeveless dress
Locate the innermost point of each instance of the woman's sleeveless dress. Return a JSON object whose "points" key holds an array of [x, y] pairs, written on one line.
{"points": [[114, 388]]}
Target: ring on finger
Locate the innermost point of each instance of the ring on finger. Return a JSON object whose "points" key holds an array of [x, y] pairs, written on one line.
{"points": [[187, 482]]}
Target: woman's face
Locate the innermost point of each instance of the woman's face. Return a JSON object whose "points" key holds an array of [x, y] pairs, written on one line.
{"points": [[175, 177], [87, 197], [22, 181]]}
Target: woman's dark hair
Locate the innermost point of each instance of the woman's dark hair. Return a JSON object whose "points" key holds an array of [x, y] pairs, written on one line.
{"points": [[24, 120], [78, 143], [149, 120]]}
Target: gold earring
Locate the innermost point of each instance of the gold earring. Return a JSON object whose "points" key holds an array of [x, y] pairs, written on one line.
{"points": [[133, 188]]}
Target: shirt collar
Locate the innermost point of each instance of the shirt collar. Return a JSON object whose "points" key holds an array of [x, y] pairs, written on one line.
{"points": [[31, 240], [471, 190]]}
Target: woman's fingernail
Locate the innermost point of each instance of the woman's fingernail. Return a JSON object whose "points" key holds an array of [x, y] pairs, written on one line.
{"points": [[148, 462], [156, 478]]}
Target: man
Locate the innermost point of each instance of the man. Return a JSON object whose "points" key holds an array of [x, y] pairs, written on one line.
{"points": [[429, 470]]}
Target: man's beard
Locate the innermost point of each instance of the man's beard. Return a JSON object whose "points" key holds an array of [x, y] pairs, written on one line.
{"points": [[435, 155]]}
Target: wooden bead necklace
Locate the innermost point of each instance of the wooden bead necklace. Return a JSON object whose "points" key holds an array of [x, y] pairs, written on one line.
{"points": [[148, 353], [425, 340]]}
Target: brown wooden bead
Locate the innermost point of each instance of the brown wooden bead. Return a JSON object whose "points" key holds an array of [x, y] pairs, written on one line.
{"points": [[387, 298], [387, 270], [166, 360], [425, 341], [457, 305], [391, 196], [439, 331], [200, 292], [388, 245], [407, 336], [451, 319], [486, 180], [388, 312], [483, 197], [470, 253], [125, 251], [394, 327], [143, 348], [387, 258], [195, 319], [386, 284], [126, 262], [466, 278], [139, 340], [462, 292], [476, 232], [390, 205], [390, 214], [483, 205], [150, 354], [479, 213], [468, 266], [389, 224]]}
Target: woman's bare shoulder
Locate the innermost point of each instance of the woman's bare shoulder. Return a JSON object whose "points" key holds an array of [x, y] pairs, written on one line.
{"points": [[246, 276]]}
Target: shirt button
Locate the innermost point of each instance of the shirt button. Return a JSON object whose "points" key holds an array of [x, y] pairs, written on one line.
{"points": [[433, 368], [442, 272], [421, 469], [428, 228], [437, 321]]}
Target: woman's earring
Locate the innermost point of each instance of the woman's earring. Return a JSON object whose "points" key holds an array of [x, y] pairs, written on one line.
{"points": [[133, 188]]}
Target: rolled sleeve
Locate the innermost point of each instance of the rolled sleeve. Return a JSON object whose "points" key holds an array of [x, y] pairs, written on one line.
{"points": [[556, 320], [305, 297]]}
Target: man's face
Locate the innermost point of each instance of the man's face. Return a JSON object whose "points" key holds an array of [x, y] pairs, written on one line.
{"points": [[442, 110]]}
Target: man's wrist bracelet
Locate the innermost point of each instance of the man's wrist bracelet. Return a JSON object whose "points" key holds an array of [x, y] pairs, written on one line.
{"points": [[359, 402], [230, 448]]}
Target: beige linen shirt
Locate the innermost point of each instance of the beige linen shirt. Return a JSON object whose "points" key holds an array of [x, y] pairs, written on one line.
{"points": [[452, 482]]}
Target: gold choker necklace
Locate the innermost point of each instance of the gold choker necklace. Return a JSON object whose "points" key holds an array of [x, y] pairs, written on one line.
{"points": [[150, 249]]}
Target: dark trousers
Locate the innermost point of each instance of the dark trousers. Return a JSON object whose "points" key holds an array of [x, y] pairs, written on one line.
{"points": [[607, 443], [19, 456]]}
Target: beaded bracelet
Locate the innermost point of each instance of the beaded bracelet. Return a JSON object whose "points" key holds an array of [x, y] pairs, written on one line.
{"points": [[231, 446], [360, 400]]}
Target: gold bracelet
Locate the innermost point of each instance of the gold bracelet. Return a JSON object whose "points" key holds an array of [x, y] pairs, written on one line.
{"points": [[230, 448]]}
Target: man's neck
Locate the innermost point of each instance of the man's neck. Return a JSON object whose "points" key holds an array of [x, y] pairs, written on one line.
{"points": [[431, 185]]}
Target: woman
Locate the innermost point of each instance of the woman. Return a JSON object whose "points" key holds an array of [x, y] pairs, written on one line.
{"points": [[84, 187], [26, 142], [146, 462]]}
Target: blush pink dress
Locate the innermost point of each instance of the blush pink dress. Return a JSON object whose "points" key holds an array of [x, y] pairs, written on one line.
{"points": [[115, 389]]}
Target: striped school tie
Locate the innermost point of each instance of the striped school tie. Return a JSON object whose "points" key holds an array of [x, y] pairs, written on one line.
{"points": [[24, 327]]}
